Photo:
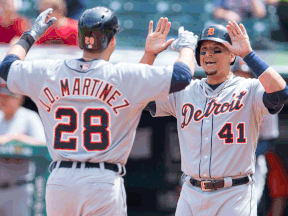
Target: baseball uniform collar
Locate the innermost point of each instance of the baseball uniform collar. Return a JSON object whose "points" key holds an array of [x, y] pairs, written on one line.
{"points": [[82, 66], [209, 89], [82, 60]]}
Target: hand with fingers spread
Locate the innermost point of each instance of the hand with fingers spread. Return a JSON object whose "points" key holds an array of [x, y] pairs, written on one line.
{"points": [[156, 41], [239, 38], [185, 39], [40, 26]]}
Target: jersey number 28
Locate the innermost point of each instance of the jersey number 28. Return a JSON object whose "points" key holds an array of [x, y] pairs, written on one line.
{"points": [[89, 129]]}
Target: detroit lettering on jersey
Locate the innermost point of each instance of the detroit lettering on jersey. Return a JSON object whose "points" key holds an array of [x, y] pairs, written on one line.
{"points": [[212, 107], [89, 87]]}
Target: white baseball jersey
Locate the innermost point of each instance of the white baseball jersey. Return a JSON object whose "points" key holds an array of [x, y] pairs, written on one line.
{"points": [[218, 137], [90, 110]]}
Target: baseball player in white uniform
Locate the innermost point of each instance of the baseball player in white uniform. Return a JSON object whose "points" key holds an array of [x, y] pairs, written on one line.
{"points": [[15, 173], [90, 108], [218, 121]]}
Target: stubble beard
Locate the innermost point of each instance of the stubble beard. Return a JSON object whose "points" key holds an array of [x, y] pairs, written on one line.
{"points": [[210, 73]]}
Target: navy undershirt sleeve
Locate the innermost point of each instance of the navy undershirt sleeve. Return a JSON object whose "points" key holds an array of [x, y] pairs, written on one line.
{"points": [[6, 64], [275, 101], [181, 77]]}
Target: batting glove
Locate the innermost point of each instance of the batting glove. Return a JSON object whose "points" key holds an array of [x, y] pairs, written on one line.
{"points": [[40, 27], [185, 39]]}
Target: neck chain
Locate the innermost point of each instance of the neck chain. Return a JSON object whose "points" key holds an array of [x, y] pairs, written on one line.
{"points": [[216, 95]]}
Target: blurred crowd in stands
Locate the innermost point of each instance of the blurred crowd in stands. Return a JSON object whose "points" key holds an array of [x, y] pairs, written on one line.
{"points": [[268, 18], [63, 32], [270, 168]]}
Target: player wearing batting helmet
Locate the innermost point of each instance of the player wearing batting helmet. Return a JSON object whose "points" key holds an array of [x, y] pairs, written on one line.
{"points": [[91, 108], [218, 121], [217, 33], [97, 26]]}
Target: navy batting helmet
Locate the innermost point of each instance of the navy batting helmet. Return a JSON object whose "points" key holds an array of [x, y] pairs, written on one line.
{"points": [[96, 27], [214, 32]]}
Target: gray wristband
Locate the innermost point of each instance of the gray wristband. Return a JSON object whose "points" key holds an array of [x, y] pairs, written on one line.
{"points": [[26, 41]]}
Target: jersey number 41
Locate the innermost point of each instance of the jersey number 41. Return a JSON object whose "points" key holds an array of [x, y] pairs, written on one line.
{"points": [[227, 135]]}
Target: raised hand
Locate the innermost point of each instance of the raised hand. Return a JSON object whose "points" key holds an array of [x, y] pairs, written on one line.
{"points": [[40, 26], [156, 41], [185, 39], [239, 38]]}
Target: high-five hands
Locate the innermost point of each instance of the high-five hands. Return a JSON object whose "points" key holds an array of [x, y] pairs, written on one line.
{"points": [[156, 41], [239, 38]]}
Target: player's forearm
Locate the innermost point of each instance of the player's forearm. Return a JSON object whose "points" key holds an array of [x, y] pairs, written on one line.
{"points": [[276, 89], [18, 51], [148, 58], [272, 81], [28, 38], [187, 57], [22, 47], [269, 78]]}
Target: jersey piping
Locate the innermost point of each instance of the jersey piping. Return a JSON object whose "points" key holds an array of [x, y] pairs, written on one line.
{"points": [[201, 139], [81, 71], [211, 147]]}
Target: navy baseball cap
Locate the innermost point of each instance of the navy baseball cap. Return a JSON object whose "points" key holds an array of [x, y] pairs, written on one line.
{"points": [[3, 88]]}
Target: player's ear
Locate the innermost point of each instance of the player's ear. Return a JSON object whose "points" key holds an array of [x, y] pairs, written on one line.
{"points": [[112, 41], [232, 57]]}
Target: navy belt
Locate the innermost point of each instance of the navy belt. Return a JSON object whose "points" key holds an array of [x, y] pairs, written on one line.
{"points": [[68, 164], [208, 185]]}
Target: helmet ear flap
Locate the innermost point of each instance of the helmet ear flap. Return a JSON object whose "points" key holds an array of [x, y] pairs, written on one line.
{"points": [[197, 53], [80, 41], [102, 39]]}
